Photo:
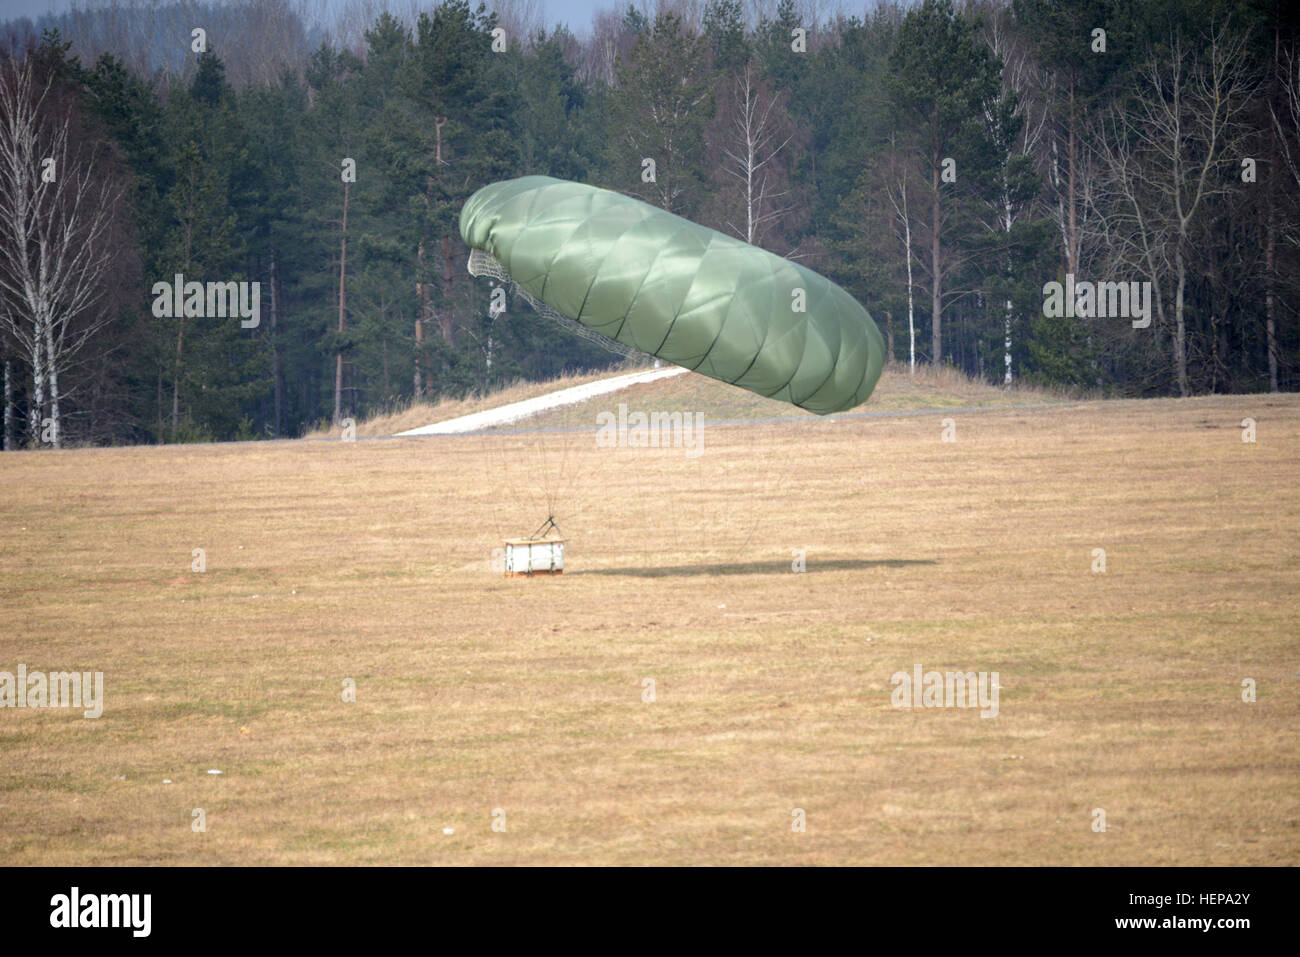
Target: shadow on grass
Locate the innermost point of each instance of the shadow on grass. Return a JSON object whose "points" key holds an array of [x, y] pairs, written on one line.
{"points": [[757, 568]]}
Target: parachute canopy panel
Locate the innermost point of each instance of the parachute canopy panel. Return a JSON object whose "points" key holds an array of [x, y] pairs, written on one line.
{"points": [[655, 282]]}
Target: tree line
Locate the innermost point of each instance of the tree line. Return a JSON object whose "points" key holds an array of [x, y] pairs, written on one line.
{"points": [[946, 163]]}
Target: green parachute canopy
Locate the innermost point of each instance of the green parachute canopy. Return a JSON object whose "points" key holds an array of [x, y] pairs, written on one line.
{"points": [[674, 289]]}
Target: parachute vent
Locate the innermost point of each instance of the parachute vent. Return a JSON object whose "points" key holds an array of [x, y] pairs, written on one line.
{"points": [[485, 264]]}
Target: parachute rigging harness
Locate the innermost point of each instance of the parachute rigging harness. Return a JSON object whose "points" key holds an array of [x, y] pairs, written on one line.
{"points": [[546, 527]]}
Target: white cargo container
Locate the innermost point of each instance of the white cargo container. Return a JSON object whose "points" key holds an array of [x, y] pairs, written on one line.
{"points": [[534, 556]]}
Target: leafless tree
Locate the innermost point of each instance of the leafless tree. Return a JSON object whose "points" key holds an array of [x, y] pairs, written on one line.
{"points": [[56, 214], [601, 53], [1287, 124], [521, 19], [1284, 86], [1162, 158], [257, 39], [898, 189], [751, 151]]}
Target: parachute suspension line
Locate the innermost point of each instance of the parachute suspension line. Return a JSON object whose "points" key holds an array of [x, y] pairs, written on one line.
{"points": [[546, 527], [556, 487], [485, 264], [503, 471]]}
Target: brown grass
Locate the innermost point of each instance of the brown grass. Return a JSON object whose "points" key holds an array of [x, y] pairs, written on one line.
{"points": [[371, 560]]}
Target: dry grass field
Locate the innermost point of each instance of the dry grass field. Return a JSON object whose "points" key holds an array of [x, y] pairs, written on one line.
{"points": [[372, 561]]}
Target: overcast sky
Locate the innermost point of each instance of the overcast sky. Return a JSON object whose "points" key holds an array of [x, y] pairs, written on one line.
{"points": [[9, 9]]}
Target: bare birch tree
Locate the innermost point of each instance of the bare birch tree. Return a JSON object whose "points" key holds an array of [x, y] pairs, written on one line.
{"points": [[56, 213], [898, 188], [752, 153], [1031, 116]]}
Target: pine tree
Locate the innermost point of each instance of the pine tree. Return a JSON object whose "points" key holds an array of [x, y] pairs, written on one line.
{"points": [[941, 77], [658, 113]]}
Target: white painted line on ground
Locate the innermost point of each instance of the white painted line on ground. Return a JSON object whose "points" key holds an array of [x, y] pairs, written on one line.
{"points": [[515, 411]]}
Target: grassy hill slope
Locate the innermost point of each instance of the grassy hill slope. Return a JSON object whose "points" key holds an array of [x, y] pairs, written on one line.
{"points": [[898, 390]]}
